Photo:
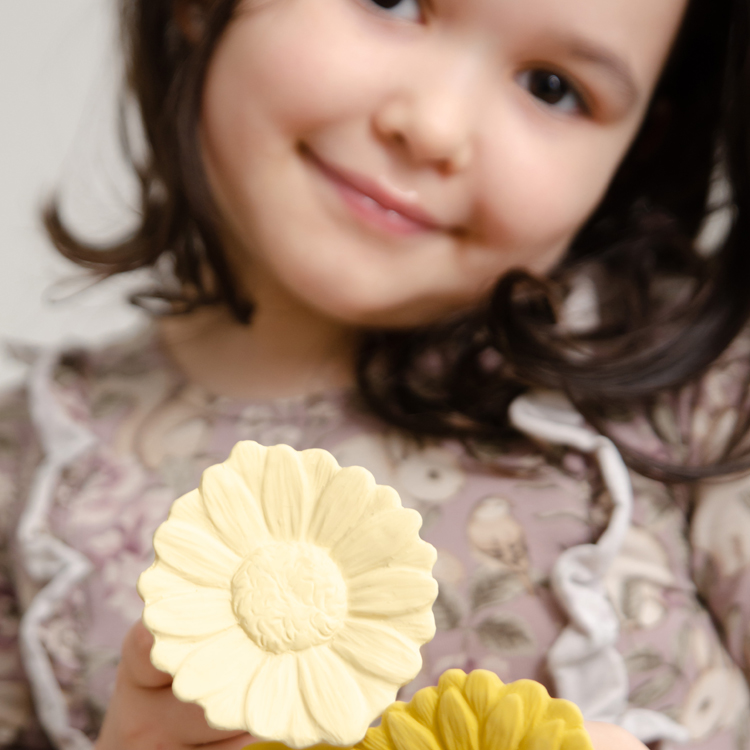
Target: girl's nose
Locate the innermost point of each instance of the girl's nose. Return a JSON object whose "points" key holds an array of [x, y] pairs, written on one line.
{"points": [[430, 122]]}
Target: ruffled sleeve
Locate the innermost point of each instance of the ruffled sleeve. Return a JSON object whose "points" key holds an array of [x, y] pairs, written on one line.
{"points": [[20, 454]]}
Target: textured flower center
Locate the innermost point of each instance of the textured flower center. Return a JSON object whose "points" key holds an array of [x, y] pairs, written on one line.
{"points": [[288, 596]]}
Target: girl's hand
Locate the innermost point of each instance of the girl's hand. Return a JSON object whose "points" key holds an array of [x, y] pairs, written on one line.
{"points": [[611, 737], [144, 713]]}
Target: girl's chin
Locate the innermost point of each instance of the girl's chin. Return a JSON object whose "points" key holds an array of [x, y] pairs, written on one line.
{"points": [[396, 315]]}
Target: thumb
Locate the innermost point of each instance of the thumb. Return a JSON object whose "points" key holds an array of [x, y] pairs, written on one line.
{"points": [[136, 659]]}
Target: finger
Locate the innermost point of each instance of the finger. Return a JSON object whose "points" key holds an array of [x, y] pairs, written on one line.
{"points": [[164, 719], [136, 659], [193, 729], [154, 690]]}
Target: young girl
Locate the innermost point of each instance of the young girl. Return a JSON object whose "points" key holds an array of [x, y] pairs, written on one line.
{"points": [[374, 225]]}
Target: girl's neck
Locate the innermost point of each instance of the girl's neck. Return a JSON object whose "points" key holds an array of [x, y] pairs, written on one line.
{"points": [[284, 352]]}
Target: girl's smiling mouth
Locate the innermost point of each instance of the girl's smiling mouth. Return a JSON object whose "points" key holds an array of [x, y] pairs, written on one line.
{"points": [[372, 203]]}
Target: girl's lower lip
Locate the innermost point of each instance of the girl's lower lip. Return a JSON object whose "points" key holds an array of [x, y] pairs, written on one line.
{"points": [[368, 209]]}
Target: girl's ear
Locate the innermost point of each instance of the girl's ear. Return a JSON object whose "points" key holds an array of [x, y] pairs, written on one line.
{"points": [[190, 17]]}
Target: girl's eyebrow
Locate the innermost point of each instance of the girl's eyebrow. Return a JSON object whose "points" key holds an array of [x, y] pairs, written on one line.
{"points": [[612, 64]]}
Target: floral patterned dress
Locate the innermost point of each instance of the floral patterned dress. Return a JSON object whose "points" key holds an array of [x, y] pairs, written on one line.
{"points": [[97, 446]]}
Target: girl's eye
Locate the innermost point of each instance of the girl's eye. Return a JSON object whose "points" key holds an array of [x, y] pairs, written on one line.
{"points": [[409, 10], [553, 89]]}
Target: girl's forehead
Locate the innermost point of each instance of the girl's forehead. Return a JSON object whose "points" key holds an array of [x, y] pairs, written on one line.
{"points": [[628, 14]]}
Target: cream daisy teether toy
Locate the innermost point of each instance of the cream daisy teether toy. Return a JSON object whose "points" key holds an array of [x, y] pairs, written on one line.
{"points": [[289, 596]]}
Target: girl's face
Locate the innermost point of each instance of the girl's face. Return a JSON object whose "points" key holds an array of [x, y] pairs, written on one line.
{"points": [[384, 162]]}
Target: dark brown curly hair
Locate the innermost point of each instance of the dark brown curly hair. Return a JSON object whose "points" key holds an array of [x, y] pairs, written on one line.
{"points": [[456, 378]]}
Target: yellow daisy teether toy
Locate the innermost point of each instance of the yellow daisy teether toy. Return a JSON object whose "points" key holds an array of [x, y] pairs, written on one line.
{"points": [[475, 712]]}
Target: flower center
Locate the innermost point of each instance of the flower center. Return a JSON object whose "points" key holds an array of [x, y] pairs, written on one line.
{"points": [[288, 596]]}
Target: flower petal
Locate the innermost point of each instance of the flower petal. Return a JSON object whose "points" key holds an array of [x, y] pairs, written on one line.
{"points": [[189, 508], [160, 582], [385, 498], [217, 676], [482, 690], [333, 697], [419, 626], [506, 724], [343, 502], [286, 494], [378, 694], [457, 722], [391, 591], [378, 649], [195, 554], [167, 654], [419, 554], [375, 739], [407, 733], [248, 459], [452, 678], [576, 739], [199, 614], [320, 468], [547, 736], [275, 708], [565, 710], [534, 696], [377, 542], [233, 510], [423, 706]]}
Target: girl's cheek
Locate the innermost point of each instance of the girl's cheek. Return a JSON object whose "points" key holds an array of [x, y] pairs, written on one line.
{"points": [[537, 190], [298, 65]]}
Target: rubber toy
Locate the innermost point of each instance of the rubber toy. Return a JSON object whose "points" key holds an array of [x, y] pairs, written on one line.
{"points": [[289, 597], [475, 712]]}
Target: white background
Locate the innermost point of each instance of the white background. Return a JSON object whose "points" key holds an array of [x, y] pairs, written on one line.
{"points": [[59, 77]]}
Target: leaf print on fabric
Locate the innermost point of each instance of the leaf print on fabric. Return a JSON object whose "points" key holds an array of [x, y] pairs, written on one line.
{"points": [[135, 397], [448, 608], [177, 429], [425, 478], [496, 537], [715, 415], [638, 578], [721, 524], [703, 652], [654, 688], [506, 634], [108, 404], [742, 732], [495, 587], [643, 660], [448, 568], [15, 710], [7, 492], [681, 647], [657, 503], [113, 512], [263, 423]]}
